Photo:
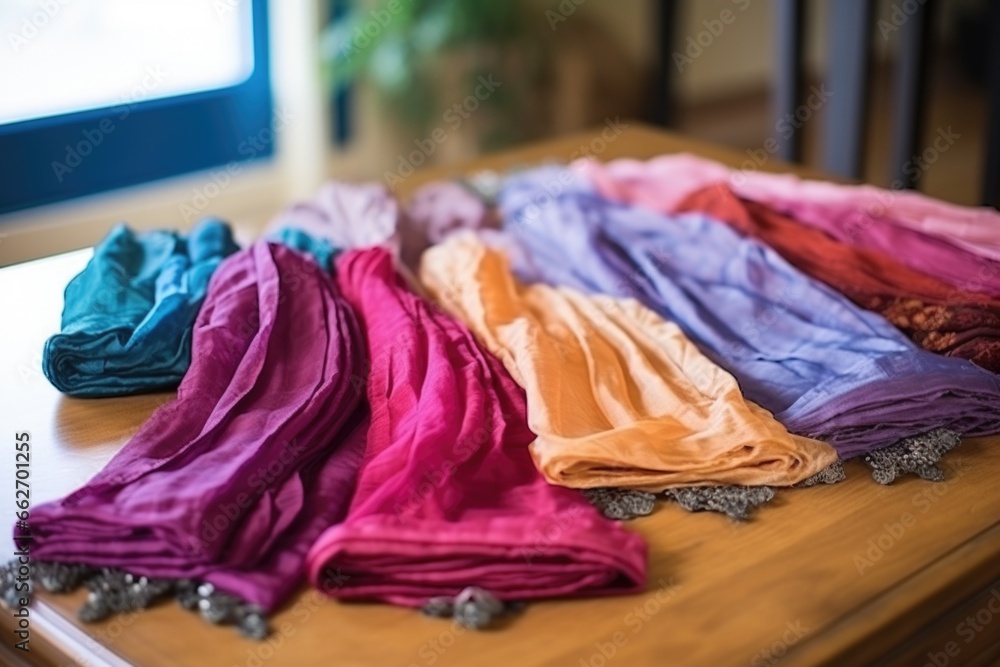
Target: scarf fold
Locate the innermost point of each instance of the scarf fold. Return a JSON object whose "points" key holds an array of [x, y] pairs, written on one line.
{"points": [[933, 314], [343, 215], [825, 368], [447, 496], [618, 396], [436, 210], [957, 244], [127, 319], [233, 480]]}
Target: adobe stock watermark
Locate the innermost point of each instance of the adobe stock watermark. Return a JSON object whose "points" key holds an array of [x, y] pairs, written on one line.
{"points": [[916, 166], [566, 9], [432, 649], [613, 128], [784, 127], [895, 532], [696, 44], [32, 25], [255, 485], [454, 117], [792, 635], [545, 537], [301, 612], [634, 621], [433, 480], [921, 162], [968, 629], [103, 638], [368, 32], [985, 276], [756, 327], [224, 8], [220, 179], [93, 137], [31, 368], [900, 14]]}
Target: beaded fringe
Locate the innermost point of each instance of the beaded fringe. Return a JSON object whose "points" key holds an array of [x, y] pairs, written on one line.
{"points": [[115, 591], [474, 608], [736, 502], [918, 455]]}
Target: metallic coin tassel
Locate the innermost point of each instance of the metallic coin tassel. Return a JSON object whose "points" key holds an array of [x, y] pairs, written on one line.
{"points": [[831, 474], [918, 455], [9, 594], [621, 504], [115, 591], [736, 502], [221, 608], [474, 608]]}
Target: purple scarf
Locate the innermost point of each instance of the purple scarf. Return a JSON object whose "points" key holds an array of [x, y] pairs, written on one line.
{"points": [[823, 366], [232, 481]]}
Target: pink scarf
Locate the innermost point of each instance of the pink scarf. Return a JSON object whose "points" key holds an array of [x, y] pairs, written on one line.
{"points": [[957, 244], [448, 496]]}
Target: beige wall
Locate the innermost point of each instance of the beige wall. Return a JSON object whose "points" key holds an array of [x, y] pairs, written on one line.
{"points": [[741, 57]]}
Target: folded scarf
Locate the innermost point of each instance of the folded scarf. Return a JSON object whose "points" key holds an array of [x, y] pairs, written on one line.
{"points": [[933, 314], [824, 367], [127, 318], [957, 244], [345, 215], [447, 496], [233, 480], [434, 211], [617, 396]]}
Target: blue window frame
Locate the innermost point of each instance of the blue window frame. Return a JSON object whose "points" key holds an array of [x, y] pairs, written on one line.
{"points": [[139, 142]]}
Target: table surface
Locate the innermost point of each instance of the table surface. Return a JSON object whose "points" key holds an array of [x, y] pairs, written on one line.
{"points": [[833, 574]]}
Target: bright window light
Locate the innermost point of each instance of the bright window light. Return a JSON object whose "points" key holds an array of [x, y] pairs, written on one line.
{"points": [[61, 56]]}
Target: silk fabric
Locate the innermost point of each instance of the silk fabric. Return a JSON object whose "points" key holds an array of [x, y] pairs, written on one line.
{"points": [[233, 480], [825, 368], [617, 396], [127, 318], [447, 495]]}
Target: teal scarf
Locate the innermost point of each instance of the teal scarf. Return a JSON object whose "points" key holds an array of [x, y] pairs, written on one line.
{"points": [[128, 317]]}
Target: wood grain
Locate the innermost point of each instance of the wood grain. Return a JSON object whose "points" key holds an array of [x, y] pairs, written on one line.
{"points": [[786, 588]]}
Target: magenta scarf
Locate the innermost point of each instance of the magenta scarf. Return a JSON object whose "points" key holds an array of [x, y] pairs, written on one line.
{"points": [[957, 244], [448, 496], [233, 480]]}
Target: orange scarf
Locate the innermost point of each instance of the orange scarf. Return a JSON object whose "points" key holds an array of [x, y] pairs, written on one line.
{"points": [[616, 395]]}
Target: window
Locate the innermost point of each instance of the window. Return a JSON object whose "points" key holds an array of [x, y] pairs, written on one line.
{"points": [[101, 94]]}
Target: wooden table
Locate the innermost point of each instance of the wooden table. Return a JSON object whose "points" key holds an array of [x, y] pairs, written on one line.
{"points": [[848, 574]]}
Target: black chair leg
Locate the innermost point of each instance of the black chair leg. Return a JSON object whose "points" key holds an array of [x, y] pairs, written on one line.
{"points": [[911, 94], [663, 102], [845, 116], [789, 21], [991, 178]]}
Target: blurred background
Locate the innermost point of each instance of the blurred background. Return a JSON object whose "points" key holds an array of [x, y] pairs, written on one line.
{"points": [[159, 112]]}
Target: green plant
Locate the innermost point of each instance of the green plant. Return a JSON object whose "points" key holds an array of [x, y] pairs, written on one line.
{"points": [[399, 46]]}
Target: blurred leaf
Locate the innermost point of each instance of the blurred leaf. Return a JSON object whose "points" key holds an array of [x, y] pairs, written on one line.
{"points": [[431, 33], [395, 55], [391, 65]]}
